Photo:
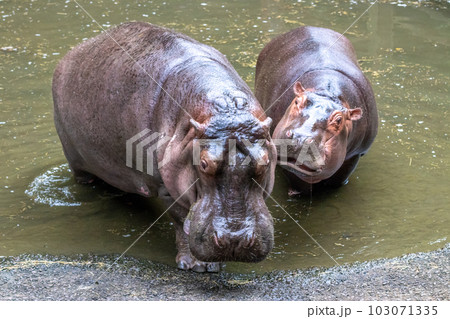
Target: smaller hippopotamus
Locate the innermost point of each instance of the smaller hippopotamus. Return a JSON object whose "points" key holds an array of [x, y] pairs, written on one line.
{"points": [[323, 107]]}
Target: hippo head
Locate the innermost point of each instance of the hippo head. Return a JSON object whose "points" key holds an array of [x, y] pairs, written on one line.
{"points": [[315, 130], [233, 160], [229, 220]]}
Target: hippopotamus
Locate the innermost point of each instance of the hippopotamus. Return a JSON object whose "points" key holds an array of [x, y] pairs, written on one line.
{"points": [[140, 78], [323, 107]]}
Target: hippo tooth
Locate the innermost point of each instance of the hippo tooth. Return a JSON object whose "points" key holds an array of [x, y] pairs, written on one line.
{"points": [[186, 226]]}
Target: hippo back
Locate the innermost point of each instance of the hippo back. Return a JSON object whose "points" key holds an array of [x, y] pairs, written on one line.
{"points": [[130, 78]]}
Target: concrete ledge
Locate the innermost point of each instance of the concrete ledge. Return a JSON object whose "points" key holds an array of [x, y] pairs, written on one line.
{"points": [[421, 276]]}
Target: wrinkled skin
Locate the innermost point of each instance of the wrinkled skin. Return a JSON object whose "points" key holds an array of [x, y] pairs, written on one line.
{"points": [[308, 80], [103, 97]]}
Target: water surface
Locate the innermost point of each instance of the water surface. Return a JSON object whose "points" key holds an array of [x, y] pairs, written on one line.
{"points": [[396, 202]]}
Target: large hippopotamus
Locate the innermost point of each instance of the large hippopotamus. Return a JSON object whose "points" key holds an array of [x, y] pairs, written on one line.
{"points": [[139, 77], [323, 107]]}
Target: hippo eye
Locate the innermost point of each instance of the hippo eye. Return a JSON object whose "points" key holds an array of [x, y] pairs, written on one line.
{"points": [[335, 122], [204, 164], [207, 164], [337, 118]]}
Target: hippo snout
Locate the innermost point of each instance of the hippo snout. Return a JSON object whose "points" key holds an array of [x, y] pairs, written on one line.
{"points": [[253, 248], [220, 244]]}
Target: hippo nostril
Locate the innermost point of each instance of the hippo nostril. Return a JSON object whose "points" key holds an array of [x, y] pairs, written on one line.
{"points": [[251, 242], [248, 242]]}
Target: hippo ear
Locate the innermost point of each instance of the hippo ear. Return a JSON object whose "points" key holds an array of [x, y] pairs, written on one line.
{"points": [[355, 114], [298, 88], [199, 127], [266, 124]]}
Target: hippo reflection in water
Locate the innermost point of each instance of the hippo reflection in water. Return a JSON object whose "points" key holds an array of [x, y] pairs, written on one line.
{"points": [[308, 80], [138, 76]]}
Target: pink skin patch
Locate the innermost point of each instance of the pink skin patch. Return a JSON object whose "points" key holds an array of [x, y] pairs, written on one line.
{"points": [[144, 191]]}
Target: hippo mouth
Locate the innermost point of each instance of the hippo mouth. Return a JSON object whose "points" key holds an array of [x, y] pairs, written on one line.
{"points": [[291, 165], [215, 241]]}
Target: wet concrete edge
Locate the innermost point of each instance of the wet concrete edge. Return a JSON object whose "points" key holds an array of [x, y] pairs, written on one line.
{"points": [[419, 276]]}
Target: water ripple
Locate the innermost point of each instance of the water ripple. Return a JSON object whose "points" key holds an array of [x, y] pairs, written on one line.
{"points": [[55, 187]]}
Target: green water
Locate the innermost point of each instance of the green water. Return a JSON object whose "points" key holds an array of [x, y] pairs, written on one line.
{"points": [[396, 202]]}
